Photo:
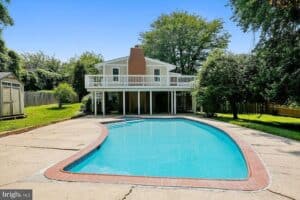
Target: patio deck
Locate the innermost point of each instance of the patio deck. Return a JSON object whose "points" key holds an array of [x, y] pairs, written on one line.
{"points": [[25, 157]]}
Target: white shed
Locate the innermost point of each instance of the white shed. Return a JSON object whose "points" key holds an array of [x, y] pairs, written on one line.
{"points": [[11, 96]]}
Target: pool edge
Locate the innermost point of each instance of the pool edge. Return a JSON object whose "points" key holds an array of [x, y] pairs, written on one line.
{"points": [[258, 177]]}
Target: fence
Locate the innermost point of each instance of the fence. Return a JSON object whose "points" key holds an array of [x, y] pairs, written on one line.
{"points": [[39, 98], [263, 108], [284, 111]]}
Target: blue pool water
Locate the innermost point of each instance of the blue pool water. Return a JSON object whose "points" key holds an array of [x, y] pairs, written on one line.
{"points": [[176, 148]]}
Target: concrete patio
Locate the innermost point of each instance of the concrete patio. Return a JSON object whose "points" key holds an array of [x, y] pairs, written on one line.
{"points": [[25, 157]]}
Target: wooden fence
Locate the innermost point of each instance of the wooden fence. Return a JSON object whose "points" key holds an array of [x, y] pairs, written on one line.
{"points": [[39, 98], [263, 108], [285, 111]]}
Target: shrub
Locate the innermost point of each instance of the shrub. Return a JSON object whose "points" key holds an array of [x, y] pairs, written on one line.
{"points": [[87, 103], [64, 93]]}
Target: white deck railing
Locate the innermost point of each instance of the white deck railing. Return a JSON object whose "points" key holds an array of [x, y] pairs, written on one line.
{"points": [[128, 81]]}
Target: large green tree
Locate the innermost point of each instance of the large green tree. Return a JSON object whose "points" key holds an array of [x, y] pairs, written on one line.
{"points": [[183, 39], [5, 19], [78, 83], [9, 60], [278, 49], [79, 66], [41, 70], [33, 61], [14, 64], [221, 80], [89, 59]]}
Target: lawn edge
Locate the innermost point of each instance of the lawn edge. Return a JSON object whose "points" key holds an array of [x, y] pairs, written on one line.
{"points": [[22, 130], [283, 137]]}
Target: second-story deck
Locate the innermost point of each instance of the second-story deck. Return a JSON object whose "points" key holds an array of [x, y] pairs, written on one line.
{"points": [[139, 81]]}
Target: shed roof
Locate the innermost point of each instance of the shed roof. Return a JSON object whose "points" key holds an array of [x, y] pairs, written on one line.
{"points": [[5, 74]]}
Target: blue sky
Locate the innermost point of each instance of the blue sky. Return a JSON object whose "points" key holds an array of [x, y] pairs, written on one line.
{"points": [[65, 28]]}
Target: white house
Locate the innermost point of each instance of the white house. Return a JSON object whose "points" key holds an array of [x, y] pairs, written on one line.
{"points": [[136, 84]]}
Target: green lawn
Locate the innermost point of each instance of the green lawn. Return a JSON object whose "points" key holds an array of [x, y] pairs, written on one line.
{"points": [[288, 127], [41, 115]]}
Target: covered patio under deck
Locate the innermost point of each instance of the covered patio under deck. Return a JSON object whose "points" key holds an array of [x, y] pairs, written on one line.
{"points": [[137, 102]]}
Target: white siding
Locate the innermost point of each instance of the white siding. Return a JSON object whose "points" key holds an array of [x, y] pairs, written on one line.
{"points": [[150, 70]]}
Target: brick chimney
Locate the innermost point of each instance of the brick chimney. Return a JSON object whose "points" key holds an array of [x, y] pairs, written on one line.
{"points": [[136, 61]]}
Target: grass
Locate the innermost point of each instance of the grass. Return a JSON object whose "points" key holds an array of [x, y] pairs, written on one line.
{"points": [[288, 127], [41, 115]]}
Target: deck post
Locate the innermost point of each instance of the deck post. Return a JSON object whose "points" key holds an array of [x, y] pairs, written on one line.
{"points": [[175, 102], [168, 102], [150, 102], [103, 103], [139, 103], [172, 103], [194, 104], [95, 103], [124, 108]]}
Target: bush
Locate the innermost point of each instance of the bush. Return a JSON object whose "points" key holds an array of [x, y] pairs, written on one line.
{"points": [[87, 103], [64, 93], [209, 99]]}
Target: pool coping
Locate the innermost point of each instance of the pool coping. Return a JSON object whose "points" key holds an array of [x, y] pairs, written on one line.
{"points": [[258, 177]]}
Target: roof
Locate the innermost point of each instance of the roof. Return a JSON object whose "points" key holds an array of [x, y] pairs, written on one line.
{"points": [[154, 61], [5, 74]]}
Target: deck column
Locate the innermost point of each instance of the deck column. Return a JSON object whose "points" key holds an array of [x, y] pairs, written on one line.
{"points": [[194, 104], [124, 108], [103, 103], [168, 102], [174, 102], [139, 103], [150, 102], [95, 102]]}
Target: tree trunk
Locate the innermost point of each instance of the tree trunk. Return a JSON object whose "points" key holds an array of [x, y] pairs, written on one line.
{"points": [[234, 110], [59, 104]]}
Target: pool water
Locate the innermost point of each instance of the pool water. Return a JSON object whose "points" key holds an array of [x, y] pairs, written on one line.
{"points": [[176, 148]]}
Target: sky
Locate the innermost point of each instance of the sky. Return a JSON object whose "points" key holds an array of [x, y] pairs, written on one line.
{"points": [[66, 28]]}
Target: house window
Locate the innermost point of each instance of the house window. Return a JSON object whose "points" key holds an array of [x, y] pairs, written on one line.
{"points": [[156, 75], [116, 73]]}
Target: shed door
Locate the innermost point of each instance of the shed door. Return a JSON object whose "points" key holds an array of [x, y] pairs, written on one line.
{"points": [[16, 100], [6, 109]]}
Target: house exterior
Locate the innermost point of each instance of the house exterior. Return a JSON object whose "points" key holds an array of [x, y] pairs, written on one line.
{"points": [[136, 84], [11, 96]]}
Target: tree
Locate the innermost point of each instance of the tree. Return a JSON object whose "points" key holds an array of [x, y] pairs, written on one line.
{"points": [[279, 45], [5, 19], [64, 93], [47, 80], [4, 58], [221, 79], [183, 39], [44, 71], [89, 59], [34, 61], [78, 83], [30, 80], [14, 64]]}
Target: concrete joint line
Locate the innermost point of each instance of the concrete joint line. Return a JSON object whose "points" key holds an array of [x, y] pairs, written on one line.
{"points": [[38, 147], [128, 193], [280, 194]]}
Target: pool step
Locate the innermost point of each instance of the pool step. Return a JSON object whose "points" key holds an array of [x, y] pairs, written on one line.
{"points": [[122, 124], [134, 121]]}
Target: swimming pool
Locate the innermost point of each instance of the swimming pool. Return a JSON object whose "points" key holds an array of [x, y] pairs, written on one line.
{"points": [[173, 148]]}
